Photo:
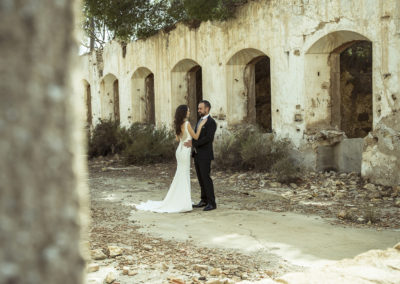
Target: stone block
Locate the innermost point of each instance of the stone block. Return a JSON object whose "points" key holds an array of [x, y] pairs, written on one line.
{"points": [[348, 155], [325, 158]]}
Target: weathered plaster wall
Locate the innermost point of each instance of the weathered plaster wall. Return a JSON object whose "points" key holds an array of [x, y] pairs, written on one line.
{"points": [[297, 35]]}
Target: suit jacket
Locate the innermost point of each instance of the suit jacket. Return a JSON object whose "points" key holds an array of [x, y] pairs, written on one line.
{"points": [[203, 147]]}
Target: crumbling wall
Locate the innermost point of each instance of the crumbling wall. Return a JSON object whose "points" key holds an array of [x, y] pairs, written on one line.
{"points": [[302, 39], [41, 146], [381, 155]]}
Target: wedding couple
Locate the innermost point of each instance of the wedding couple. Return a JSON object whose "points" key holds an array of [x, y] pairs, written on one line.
{"points": [[197, 143]]}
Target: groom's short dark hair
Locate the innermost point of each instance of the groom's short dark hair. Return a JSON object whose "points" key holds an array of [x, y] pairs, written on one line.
{"points": [[206, 103]]}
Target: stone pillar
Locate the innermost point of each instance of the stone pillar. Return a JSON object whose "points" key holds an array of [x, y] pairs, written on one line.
{"points": [[40, 221]]}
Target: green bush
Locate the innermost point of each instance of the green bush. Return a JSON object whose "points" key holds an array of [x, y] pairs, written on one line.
{"points": [[141, 143], [259, 151], [248, 148], [148, 144], [107, 138], [228, 152]]}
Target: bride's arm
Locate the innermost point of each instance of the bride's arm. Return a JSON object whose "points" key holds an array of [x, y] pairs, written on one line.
{"points": [[196, 135]]}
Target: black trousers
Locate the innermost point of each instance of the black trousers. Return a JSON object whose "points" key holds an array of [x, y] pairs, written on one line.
{"points": [[203, 168]]}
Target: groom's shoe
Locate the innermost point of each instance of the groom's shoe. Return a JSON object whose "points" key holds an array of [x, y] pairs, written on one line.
{"points": [[200, 204], [209, 207]]}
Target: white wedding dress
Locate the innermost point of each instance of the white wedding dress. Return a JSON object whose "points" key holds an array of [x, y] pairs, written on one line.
{"points": [[178, 198]]}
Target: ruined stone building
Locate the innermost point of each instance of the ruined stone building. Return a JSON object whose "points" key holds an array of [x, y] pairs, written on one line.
{"points": [[281, 64]]}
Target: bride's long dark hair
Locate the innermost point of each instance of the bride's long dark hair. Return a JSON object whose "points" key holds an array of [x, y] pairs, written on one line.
{"points": [[180, 116]]}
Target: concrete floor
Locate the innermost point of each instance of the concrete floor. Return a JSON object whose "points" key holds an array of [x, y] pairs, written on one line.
{"points": [[301, 240]]}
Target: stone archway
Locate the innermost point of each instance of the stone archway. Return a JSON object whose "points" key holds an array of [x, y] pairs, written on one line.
{"points": [[143, 98], [332, 67], [88, 102], [334, 102], [249, 88], [187, 86], [109, 98]]}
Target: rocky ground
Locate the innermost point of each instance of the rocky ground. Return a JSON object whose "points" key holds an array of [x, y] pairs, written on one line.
{"points": [[344, 197], [119, 242]]}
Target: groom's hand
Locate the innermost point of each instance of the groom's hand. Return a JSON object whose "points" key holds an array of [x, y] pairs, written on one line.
{"points": [[188, 143]]}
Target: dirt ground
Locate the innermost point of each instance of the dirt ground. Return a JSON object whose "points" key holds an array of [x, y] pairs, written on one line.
{"points": [[261, 229]]}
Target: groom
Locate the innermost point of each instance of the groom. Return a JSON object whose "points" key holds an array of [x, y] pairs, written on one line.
{"points": [[203, 154]]}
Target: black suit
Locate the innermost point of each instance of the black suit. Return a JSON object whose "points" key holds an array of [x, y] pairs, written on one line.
{"points": [[203, 154]]}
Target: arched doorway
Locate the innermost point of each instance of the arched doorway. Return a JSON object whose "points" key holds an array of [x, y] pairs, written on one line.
{"points": [[88, 102], [187, 86], [143, 105], [249, 89], [109, 98], [339, 84]]}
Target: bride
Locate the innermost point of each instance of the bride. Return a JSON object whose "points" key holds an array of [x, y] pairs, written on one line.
{"points": [[178, 198]]}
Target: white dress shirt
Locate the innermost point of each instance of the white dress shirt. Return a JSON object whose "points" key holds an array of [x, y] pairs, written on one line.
{"points": [[204, 117]]}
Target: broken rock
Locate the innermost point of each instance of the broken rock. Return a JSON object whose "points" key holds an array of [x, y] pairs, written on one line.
{"points": [[93, 267], [97, 254], [114, 251], [369, 186], [374, 195], [110, 278], [125, 270], [342, 214], [216, 281], [132, 272], [176, 281], [200, 267], [215, 272]]}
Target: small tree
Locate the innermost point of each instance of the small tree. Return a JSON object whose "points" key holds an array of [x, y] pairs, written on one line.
{"points": [[135, 19]]}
